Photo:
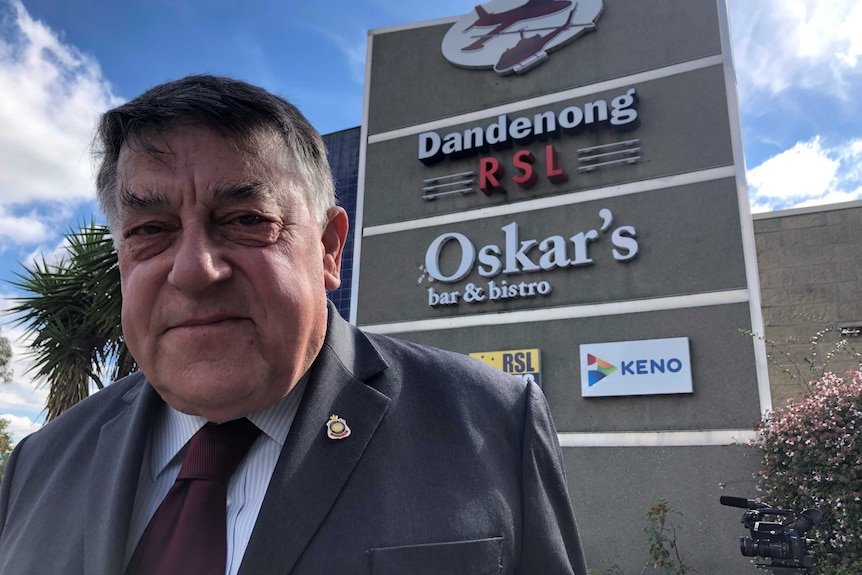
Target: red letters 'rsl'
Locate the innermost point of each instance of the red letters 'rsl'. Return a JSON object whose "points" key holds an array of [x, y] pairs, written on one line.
{"points": [[491, 171]]}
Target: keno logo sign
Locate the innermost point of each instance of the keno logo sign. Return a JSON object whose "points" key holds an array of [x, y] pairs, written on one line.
{"points": [[514, 36], [643, 367]]}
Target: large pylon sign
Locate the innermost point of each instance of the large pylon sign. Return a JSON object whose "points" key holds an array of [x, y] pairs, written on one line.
{"points": [[559, 191]]}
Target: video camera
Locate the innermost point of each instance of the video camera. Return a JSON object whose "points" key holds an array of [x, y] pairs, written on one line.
{"points": [[781, 541]]}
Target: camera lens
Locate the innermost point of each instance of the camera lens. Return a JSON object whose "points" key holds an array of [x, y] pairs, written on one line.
{"points": [[775, 549]]}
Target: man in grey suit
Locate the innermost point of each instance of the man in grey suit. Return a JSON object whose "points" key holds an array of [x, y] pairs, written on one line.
{"points": [[374, 456]]}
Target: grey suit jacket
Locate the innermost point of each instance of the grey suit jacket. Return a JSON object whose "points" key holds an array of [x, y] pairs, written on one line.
{"points": [[452, 468]]}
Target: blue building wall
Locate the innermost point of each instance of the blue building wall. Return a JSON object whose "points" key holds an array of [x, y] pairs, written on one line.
{"points": [[343, 148]]}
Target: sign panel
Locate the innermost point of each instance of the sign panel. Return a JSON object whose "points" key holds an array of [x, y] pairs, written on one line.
{"points": [[524, 363], [644, 367]]}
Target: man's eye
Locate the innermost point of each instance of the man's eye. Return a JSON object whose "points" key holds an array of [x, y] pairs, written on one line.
{"points": [[248, 220], [251, 229], [146, 230]]}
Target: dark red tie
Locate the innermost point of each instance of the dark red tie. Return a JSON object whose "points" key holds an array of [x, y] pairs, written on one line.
{"points": [[188, 533]]}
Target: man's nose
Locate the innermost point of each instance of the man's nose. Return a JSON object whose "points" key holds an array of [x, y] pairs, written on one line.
{"points": [[198, 261]]}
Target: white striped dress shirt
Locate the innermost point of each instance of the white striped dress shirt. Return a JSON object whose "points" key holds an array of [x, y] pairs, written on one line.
{"points": [[163, 458]]}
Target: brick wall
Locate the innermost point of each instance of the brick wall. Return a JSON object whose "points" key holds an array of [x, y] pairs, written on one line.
{"points": [[810, 263]]}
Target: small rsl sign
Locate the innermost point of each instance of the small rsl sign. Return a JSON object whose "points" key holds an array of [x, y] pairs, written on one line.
{"points": [[524, 363]]}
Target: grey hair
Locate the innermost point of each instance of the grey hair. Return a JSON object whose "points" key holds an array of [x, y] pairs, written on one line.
{"points": [[230, 107]]}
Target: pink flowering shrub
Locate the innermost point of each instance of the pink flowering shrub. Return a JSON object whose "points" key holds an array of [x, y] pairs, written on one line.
{"points": [[812, 457]]}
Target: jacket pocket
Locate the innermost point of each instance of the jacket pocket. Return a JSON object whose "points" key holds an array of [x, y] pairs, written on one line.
{"points": [[479, 557]]}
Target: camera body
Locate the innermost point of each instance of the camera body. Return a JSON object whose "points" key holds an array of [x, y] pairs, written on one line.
{"points": [[775, 541], [782, 542]]}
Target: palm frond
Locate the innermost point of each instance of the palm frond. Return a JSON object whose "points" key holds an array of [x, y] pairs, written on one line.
{"points": [[72, 313]]}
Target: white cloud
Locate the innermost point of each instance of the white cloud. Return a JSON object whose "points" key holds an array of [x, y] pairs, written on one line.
{"points": [[807, 174], [22, 229], [52, 96], [19, 426], [803, 170], [22, 395], [51, 255], [779, 44], [850, 29]]}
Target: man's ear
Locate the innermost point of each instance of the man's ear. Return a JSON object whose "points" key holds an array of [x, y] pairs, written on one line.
{"points": [[332, 240]]}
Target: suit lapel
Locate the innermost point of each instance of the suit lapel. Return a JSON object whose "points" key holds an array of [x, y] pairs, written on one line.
{"points": [[116, 467], [313, 469]]}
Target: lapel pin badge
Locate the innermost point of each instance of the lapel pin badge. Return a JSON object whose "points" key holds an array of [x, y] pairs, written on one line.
{"points": [[336, 428]]}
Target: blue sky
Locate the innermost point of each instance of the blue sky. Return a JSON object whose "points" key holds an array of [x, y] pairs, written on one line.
{"points": [[798, 65]]}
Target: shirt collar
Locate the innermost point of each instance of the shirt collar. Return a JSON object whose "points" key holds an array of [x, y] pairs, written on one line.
{"points": [[173, 429]]}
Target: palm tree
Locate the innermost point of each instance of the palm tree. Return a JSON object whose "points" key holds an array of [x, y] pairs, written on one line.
{"points": [[72, 314]]}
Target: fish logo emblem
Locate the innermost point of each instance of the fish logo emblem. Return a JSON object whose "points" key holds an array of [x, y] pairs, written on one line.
{"points": [[513, 36]]}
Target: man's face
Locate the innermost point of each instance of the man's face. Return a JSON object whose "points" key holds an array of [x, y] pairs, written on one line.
{"points": [[224, 270]]}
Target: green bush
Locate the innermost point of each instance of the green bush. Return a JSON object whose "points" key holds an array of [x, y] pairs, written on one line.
{"points": [[812, 457]]}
